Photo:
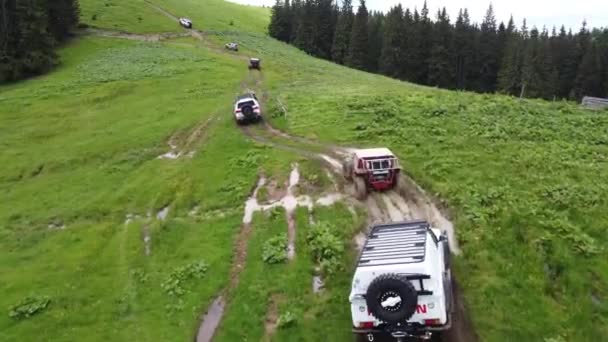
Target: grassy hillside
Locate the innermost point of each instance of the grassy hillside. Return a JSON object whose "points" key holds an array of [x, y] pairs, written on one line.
{"points": [[82, 187]]}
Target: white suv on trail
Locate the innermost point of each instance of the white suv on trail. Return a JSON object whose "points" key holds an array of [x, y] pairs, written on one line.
{"points": [[247, 109], [185, 22], [402, 286]]}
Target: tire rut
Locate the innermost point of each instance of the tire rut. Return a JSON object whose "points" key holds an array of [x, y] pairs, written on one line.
{"points": [[213, 317]]}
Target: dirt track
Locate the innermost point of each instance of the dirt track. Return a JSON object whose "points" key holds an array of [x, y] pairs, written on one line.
{"points": [[407, 202]]}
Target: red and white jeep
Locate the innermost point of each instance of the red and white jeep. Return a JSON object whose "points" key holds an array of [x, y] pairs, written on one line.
{"points": [[372, 168], [402, 286]]}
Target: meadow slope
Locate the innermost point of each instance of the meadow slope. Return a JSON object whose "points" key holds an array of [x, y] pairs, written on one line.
{"points": [[130, 246]]}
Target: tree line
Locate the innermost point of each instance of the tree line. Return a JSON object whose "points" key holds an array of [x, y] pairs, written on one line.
{"points": [[412, 46], [29, 32]]}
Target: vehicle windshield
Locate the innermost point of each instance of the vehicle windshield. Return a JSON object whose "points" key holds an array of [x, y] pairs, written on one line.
{"points": [[246, 103]]}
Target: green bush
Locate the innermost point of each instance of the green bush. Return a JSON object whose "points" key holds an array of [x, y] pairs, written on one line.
{"points": [[326, 247], [174, 284], [274, 250], [286, 319], [28, 307]]}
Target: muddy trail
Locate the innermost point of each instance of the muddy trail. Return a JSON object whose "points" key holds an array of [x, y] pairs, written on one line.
{"points": [[289, 200], [407, 202], [186, 144]]}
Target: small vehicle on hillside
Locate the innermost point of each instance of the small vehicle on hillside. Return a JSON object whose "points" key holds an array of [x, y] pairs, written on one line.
{"points": [[232, 46], [402, 287], [247, 109], [373, 168], [254, 63], [185, 22]]}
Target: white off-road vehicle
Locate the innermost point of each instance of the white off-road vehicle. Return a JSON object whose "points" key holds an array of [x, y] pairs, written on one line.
{"points": [[402, 287], [232, 46], [185, 22], [247, 109]]}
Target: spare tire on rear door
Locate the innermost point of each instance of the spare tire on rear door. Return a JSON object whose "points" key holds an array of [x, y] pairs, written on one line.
{"points": [[391, 298], [248, 112]]}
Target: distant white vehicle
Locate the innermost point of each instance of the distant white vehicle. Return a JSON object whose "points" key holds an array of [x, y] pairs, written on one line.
{"points": [[402, 287], [232, 46], [185, 22]]}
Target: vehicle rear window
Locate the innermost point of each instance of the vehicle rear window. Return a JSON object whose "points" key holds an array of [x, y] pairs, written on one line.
{"points": [[379, 164], [246, 103]]}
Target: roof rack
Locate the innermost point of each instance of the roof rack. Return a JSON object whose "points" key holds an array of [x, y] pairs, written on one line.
{"points": [[395, 243]]}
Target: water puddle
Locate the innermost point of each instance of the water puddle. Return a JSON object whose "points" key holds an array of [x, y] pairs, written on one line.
{"points": [[211, 320], [317, 284], [59, 226], [335, 164], [163, 213], [170, 155], [147, 239], [329, 200]]}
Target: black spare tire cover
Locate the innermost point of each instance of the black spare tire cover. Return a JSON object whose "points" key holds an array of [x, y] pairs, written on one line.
{"points": [[398, 295], [247, 111]]}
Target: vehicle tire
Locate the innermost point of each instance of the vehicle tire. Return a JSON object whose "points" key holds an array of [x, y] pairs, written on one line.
{"points": [[360, 188], [391, 285], [397, 180], [347, 169], [448, 288], [447, 254], [248, 112]]}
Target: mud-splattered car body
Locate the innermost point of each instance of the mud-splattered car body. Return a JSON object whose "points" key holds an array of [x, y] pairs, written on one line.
{"points": [[402, 285], [372, 169], [247, 109]]}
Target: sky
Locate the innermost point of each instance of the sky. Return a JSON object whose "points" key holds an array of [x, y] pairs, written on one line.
{"points": [[570, 13]]}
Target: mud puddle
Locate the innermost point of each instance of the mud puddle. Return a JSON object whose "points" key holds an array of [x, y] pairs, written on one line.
{"points": [[214, 314], [211, 320], [146, 238]]}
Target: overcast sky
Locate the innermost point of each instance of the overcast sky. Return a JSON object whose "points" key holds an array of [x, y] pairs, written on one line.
{"points": [[538, 12]]}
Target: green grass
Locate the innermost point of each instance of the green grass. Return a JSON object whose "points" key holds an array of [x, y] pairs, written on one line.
{"points": [[219, 15], [125, 15], [80, 149], [525, 183]]}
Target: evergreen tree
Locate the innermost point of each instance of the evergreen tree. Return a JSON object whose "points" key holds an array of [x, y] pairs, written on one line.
{"points": [[510, 74], [305, 33], [341, 39], [392, 55], [323, 28], [537, 73], [62, 18], [590, 76], [295, 16], [275, 27], [563, 51], [464, 36], [375, 37], [358, 54], [488, 53], [441, 67], [420, 46]]}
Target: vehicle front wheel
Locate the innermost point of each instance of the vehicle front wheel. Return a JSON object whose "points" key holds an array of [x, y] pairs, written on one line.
{"points": [[347, 169], [360, 188]]}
